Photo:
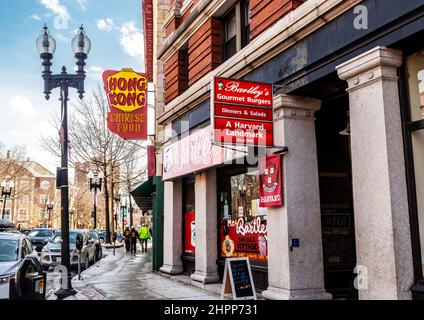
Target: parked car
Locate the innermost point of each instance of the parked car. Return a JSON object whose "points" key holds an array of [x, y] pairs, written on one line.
{"points": [[102, 234], [51, 252], [96, 237], [39, 237], [14, 247], [8, 226]]}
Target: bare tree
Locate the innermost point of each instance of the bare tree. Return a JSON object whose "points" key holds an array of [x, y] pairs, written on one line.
{"points": [[92, 142]]}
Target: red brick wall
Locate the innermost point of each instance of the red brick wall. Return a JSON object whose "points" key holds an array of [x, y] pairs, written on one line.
{"points": [[175, 75], [172, 25], [204, 50], [264, 13]]}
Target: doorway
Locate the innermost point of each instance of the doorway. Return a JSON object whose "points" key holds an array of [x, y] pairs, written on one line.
{"points": [[335, 181]]}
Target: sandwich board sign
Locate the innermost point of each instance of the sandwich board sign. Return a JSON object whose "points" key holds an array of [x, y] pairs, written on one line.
{"points": [[238, 279]]}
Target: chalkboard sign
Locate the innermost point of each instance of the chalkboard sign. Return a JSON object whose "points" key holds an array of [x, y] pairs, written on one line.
{"points": [[238, 279]]}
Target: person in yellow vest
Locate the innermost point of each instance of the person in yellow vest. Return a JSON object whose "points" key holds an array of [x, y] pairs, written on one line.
{"points": [[144, 234]]}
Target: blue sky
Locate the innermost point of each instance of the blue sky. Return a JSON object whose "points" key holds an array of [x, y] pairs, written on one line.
{"points": [[115, 30]]}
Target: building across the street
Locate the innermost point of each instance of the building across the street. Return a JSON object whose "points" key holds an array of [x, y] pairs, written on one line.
{"points": [[348, 87], [34, 199]]}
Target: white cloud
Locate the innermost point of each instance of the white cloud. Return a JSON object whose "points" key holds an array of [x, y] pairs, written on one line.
{"points": [[105, 24], [61, 12], [61, 37], [132, 41], [95, 73], [82, 4], [23, 106], [35, 17]]}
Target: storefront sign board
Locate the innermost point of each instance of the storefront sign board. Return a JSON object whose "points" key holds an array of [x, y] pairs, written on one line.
{"points": [[126, 92], [242, 112]]}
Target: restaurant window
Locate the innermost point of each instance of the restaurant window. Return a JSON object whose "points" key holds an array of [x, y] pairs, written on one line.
{"points": [[415, 126], [243, 222], [236, 29]]}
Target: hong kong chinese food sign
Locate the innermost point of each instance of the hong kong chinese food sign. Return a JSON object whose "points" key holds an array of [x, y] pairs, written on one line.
{"points": [[126, 92], [241, 112]]}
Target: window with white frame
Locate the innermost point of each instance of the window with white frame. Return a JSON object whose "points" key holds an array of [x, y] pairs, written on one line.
{"points": [[22, 215], [43, 199]]}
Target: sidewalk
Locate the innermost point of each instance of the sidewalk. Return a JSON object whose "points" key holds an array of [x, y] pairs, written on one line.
{"points": [[127, 277]]}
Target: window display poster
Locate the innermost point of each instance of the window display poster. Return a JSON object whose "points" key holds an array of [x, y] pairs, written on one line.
{"points": [[242, 238], [190, 232]]}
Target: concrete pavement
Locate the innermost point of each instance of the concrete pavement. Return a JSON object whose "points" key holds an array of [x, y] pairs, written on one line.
{"points": [[128, 277]]}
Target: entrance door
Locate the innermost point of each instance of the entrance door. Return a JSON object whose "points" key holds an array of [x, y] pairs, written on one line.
{"points": [[335, 181]]}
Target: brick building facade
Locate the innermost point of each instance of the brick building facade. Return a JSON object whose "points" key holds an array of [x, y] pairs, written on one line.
{"points": [[347, 78]]}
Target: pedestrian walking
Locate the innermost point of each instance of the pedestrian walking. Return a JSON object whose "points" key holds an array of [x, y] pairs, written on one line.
{"points": [[127, 233], [144, 234], [133, 241]]}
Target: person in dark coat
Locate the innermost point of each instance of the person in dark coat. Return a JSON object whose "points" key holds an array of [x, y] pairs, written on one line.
{"points": [[133, 240], [127, 233]]}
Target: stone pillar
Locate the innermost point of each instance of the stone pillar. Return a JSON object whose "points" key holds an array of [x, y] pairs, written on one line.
{"points": [[296, 274], [172, 229], [383, 240], [206, 270]]}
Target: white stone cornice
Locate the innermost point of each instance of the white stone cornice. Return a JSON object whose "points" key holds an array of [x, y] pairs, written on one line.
{"points": [[289, 30], [295, 107], [371, 66]]}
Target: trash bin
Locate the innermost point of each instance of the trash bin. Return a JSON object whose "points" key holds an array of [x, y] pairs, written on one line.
{"points": [[29, 282]]}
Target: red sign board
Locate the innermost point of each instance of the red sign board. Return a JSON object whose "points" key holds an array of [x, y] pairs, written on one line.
{"points": [[190, 232], [126, 92], [242, 112], [151, 161], [241, 238], [270, 182]]}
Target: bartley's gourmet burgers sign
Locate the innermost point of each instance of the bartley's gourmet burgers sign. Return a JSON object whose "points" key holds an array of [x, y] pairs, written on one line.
{"points": [[126, 92], [242, 112]]}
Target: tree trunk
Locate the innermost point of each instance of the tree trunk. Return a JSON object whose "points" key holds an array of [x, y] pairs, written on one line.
{"points": [[111, 204], [107, 211]]}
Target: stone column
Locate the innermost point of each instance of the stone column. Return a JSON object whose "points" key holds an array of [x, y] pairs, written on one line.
{"points": [[206, 270], [296, 274], [383, 240], [172, 228]]}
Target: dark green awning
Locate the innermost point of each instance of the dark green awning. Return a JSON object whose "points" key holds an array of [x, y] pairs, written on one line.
{"points": [[143, 194]]}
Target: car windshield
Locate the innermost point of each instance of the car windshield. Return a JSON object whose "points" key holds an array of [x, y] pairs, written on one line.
{"points": [[57, 238], [9, 250], [40, 233]]}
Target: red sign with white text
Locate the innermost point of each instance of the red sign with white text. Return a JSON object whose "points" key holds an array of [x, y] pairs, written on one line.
{"points": [[126, 92], [270, 182], [241, 238], [242, 112], [244, 132], [243, 92]]}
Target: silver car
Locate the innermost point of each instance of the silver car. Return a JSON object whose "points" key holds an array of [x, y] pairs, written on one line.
{"points": [[14, 247], [51, 252]]}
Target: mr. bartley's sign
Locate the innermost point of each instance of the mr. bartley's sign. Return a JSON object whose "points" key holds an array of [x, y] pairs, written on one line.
{"points": [[127, 96], [242, 112]]}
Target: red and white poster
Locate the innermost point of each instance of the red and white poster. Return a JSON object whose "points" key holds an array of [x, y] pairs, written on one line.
{"points": [[190, 232], [270, 182], [241, 238], [126, 92], [242, 112]]}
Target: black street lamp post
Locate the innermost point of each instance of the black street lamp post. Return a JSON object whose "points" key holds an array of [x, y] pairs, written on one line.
{"points": [[46, 47], [95, 180], [49, 207], [6, 191]]}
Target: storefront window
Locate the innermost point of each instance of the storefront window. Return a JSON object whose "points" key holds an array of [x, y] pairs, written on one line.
{"points": [[243, 230], [416, 126]]}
